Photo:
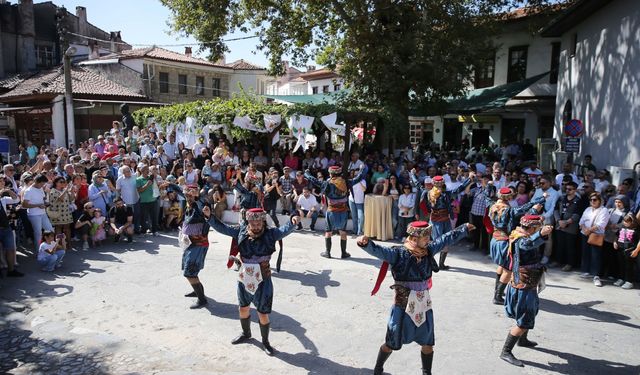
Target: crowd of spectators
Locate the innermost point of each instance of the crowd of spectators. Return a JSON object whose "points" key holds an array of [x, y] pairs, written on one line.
{"points": [[117, 186]]}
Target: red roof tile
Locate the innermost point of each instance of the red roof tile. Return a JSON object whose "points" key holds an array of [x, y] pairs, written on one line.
{"points": [[244, 65], [84, 82], [160, 54]]}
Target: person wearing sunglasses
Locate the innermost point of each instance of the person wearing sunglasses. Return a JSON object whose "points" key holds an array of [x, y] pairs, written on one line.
{"points": [[593, 221], [567, 216]]}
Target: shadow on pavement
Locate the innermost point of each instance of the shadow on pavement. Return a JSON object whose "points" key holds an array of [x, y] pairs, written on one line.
{"points": [[279, 322], [35, 356], [366, 261], [315, 364], [582, 365], [469, 271], [586, 309], [320, 281]]}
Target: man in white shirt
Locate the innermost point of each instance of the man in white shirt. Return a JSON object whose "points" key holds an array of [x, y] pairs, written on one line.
{"points": [[356, 205], [499, 181], [34, 201], [171, 148], [308, 208], [355, 164], [321, 162], [533, 172], [566, 171]]}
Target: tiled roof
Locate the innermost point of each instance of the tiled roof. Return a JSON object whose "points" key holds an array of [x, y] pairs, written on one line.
{"points": [[160, 54], [84, 82], [10, 82], [323, 73], [244, 65]]}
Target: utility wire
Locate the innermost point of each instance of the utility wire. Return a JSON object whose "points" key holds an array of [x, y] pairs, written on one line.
{"points": [[164, 45]]}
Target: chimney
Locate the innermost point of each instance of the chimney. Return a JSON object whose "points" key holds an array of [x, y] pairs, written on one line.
{"points": [[114, 37], [81, 13], [311, 68], [94, 49], [222, 60], [187, 51]]}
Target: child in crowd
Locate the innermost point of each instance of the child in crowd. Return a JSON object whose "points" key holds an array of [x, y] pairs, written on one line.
{"points": [[51, 252], [627, 250], [206, 170], [97, 229]]}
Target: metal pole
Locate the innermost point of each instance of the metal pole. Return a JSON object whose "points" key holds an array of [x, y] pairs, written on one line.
{"points": [[68, 98]]}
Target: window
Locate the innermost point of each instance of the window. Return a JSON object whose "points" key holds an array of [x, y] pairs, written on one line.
{"points": [[44, 56], [337, 87], [325, 89], [484, 73], [199, 85], [216, 87], [182, 83], [574, 45], [164, 82], [555, 62], [314, 90], [517, 64]]}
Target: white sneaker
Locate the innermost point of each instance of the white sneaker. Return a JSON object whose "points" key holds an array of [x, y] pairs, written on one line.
{"points": [[586, 275], [619, 282], [627, 285], [85, 245], [596, 281]]}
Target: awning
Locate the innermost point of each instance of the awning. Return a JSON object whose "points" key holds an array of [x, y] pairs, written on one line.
{"points": [[490, 98], [328, 98]]}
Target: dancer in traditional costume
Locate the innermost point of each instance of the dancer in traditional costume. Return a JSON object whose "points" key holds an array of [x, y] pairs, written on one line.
{"points": [[194, 238], [256, 244], [439, 204], [336, 192], [521, 299], [504, 219], [411, 317]]}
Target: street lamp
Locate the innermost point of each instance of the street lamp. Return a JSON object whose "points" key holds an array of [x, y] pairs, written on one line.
{"points": [[68, 96]]}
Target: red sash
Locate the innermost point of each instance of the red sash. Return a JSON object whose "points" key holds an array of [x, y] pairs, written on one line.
{"points": [[488, 225], [233, 251], [383, 273]]}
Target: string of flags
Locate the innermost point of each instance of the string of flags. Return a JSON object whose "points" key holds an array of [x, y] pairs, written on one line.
{"points": [[299, 126]]}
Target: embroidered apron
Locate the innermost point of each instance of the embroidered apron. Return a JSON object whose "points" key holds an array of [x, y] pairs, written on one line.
{"points": [[418, 304], [250, 276]]}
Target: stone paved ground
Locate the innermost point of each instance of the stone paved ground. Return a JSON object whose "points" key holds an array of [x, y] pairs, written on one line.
{"points": [[120, 310]]}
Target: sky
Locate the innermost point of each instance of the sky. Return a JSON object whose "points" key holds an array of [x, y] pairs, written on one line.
{"points": [[145, 22]]}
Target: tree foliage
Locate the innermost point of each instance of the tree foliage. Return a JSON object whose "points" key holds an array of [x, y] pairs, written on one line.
{"points": [[391, 53]]}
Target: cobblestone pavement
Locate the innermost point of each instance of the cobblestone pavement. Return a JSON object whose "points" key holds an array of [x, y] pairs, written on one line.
{"points": [[120, 310]]}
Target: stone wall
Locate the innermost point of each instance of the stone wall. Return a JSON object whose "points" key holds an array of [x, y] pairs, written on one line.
{"points": [[152, 86]]}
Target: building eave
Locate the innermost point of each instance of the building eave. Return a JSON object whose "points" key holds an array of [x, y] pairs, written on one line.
{"points": [[573, 16]]}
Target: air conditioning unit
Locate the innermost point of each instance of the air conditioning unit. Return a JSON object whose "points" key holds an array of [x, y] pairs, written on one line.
{"points": [[619, 174]]}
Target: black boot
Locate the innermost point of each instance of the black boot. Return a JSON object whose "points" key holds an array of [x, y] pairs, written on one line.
{"points": [[525, 342], [506, 354], [246, 331], [382, 358], [191, 294], [327, 245], [343, 248], [202, 300], [427, 362], [443, 257], [497, 295], [266, 346]]}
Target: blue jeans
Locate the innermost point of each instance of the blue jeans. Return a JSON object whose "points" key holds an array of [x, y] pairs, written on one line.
{"points": [[357, 217], [591, 257], [314, 218], [50, 261], [39, 223], [394, 215]]}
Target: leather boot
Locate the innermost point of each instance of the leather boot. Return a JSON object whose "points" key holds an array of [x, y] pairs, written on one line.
{"points": [[427, 362], [497, 292], [506, 354], [525, 342], [327, 245], [343, 248], [443, 257], [266, 346], [202, 299], [382, 358], [245, 323]]}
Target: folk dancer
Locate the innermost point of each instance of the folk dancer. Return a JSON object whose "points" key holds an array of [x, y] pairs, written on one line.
{"points": [[336, 191], [194, 238], [521, 299], [256, 244], [411, 317], [504, 219], [438, 201]]}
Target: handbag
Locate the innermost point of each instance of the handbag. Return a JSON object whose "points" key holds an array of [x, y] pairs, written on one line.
{"points": [[595, 239], [53, 215]]}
